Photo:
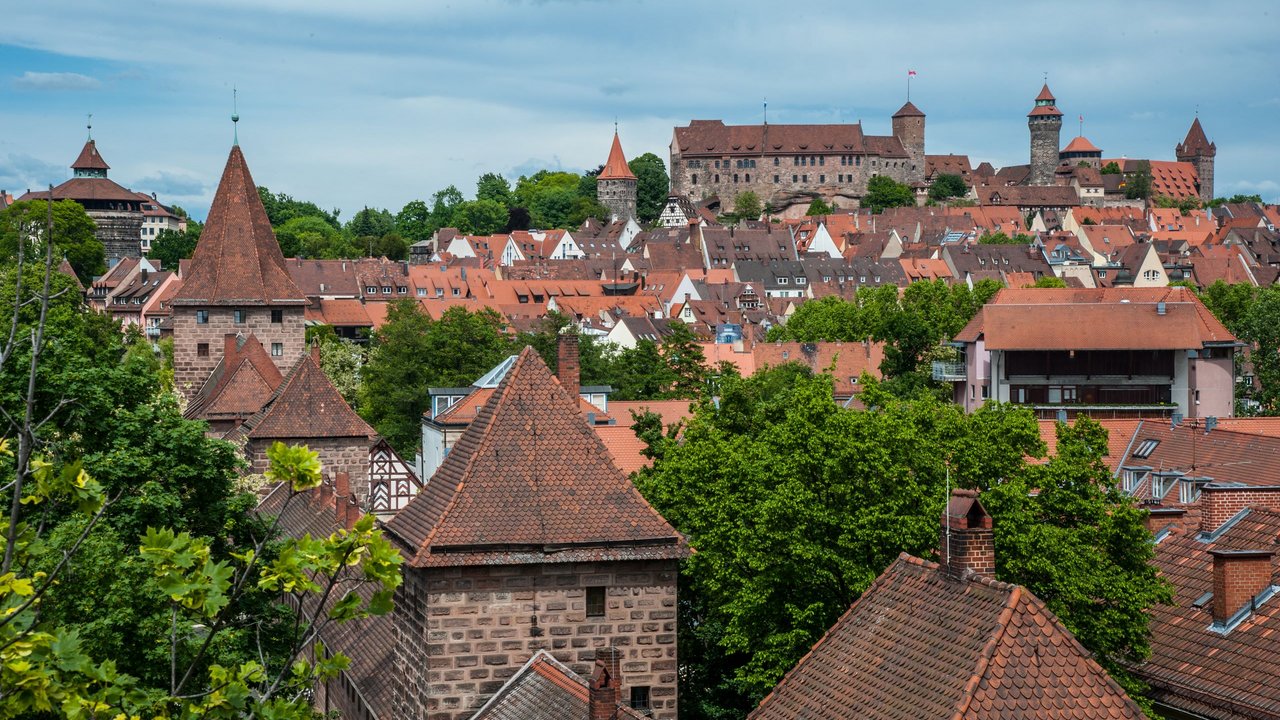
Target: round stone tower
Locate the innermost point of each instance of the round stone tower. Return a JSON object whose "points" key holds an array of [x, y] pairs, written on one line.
{"points": [[908, 127], [616, 184], [1045, 123]]}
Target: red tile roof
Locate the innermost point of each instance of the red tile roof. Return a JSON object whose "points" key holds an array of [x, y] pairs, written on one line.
{"points": [[544, 689], [921, 643], [713, 137], [89, 159], [86, 188], [237, 260], [1196, 143], [307, 405], [616, 168], [1045, 94], [908, 110], [1080, 144], [530, 482], [243, 382]]}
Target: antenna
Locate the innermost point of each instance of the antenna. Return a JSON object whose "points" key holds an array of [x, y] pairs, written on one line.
{"points": [[89, 125], [946, 511], [235, 117]]}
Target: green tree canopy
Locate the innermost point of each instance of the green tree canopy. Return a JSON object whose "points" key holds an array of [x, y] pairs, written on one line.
{"points": [[479, 217], [652, 186], [492, 186], [310, 236], [73, 235], [946, 186], [171, 246], [999, 238], [1137, 183], [282, 208], [1111, 168], [371, 222], [885, 192], [414, 221], [819, 207], [747, 206]]}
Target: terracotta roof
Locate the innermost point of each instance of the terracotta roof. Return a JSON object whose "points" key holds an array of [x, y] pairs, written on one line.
{"points": [[307, 405], [242, 383], [908, 110], [845, 361], [1041, 110], [544, 689], [89, 159], [526, 477], [1100, 319], [616, 168], [713, 137], [1045, 94], [237, 260], [65, 268], [921, 643], [1080, 144], [86, 188], [1196, 143], [344, 312]]}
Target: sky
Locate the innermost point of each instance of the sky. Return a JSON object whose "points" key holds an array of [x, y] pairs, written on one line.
{"points": [[377, 103]]}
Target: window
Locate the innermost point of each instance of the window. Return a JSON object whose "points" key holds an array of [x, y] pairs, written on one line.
{"points": [[238, 315], [202, 350], [386, 289], [402, 289], [822, 160], [748, 177], [695, 178], [277, 349], [775, 178], [202, 317], [782, 281], [640, 697], [822, 178], [776, 162], [370, 289], [735, 177], [422, 292], [1145, 448], [277, 317], [1150, 275], [794, 178], [595, 601], [717, 177]]}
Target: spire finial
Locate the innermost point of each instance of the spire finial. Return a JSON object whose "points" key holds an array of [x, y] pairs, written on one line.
{"points": [[89, 125], [615, 124], [766, 111], [1046, 77], [235, 117]]}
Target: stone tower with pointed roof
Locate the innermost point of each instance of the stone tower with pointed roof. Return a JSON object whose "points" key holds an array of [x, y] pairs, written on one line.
{"points": [[908, 127], [616, 185], [235, 284], [1045, 123], [529, 538], [1197, 150]]}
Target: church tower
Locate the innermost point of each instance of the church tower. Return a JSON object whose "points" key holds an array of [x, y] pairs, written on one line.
{"points": [[616, 185], [1045, 123], [1198, 151], [908, 127]]}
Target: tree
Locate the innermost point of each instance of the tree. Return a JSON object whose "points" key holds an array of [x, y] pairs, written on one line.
{"points": [[1137, 183], [170, 246], [1050, 281], [1111, 168], [1230, 303], [73, 234], [310, 236], [341, 361], [369, 222], [414, 221], [747, 206], [282, 208], [885, 192], [1234, 199], [946, 186], [1261, 327], [391, 246], [652, 186], [479, 217], [686, 361], [819, 207], [999, 238], [639, 373], [443, 203], [492, 186]]}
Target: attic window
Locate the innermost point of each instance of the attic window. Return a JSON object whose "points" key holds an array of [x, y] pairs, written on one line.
{"points": [[1145, 448]]}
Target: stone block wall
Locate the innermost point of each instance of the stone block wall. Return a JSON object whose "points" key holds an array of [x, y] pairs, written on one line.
{"points": [[190, 370], [463, 632], [619, 196], [120, 232], [348, 455], [1045, 135]]}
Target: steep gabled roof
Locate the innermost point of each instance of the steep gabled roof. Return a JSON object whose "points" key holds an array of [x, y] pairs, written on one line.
{"points": [[1045, 94], [529, 482], [243, 382], [307, 405], [921, 643], [908, 110], [616, 168], [544, 689], [237, 260], [89, 159], [1196, 143]]}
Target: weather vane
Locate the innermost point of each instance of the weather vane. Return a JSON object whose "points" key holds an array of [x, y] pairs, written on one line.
{"points": [[235, 116], [89, 125]]}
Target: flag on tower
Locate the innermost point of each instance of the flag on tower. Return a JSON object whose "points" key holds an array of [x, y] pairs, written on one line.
{"points": [[911, 73]]}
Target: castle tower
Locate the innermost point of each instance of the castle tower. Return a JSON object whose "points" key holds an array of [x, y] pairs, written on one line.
{"points": [[1045, 123], [236, 284], [908, 127], [616, 185], [90, 164], [1198, 151]]}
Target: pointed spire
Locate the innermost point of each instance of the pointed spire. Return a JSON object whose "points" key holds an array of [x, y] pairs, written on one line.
{"points": [[237, 260], [89, 159], [235, 119], [908, 110], [616, 168], [1196, 143], [1045, 94]]}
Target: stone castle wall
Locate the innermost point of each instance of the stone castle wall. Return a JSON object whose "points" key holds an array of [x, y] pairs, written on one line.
{"points": [[348, 455], [619, 196], [120, 232], [190, 369], [1045, 134], [463, 632]]}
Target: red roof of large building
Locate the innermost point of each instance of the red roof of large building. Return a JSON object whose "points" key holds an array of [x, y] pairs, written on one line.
{"points": [[527, 477], [923, 643], [713, 137], [237, 260], [616, 168], [89, 159]]}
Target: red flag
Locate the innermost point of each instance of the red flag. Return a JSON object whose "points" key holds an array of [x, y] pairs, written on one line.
{"points": [[911, 73]]}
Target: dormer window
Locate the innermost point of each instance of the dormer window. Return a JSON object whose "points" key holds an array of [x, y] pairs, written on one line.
{"points": [[386, 289]]}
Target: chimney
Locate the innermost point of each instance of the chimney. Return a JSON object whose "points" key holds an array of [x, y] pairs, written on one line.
{"points": [[230, 346], [1219, 502], [346, 510], [315, 350], [604, 689], [567, 362], [1239, 576], [967, 543]]}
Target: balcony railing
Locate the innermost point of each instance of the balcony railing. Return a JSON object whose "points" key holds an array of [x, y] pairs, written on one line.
{"points": [[949, 371]]}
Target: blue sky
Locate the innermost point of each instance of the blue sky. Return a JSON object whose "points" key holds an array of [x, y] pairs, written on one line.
{"points": [[377, 103]]}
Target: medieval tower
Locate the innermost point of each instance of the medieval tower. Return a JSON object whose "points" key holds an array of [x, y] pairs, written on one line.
{"points": [[616, 185], [908, 127], [1198, 151], [1045, 123]]}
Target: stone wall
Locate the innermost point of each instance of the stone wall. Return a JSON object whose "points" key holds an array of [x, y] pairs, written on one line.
{"points": [[463, 632], [348, 455], [909, 130], [190, 369], [619, 196], [120, 232], [837, 178], [1045, 134]]}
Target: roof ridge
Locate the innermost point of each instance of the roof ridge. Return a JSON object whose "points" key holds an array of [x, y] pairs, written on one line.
{"points": [[984, 659]]}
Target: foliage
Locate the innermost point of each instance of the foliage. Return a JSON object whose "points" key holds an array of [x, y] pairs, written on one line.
{"points": [[282, 208], [1260, 325], [819, 207], [558, 199], [369, 222], [73, 235], [479, 217], [1137, 183], [1184, 205], [885, 192], [640, 373], [747, 206], [685, 360], [1234, 199], [310, 236], [946, 186], [411, 353], [341, 361], [1000, 238], [171, 246], [652, 186], [492, 186], [1111, 168], [1230, 302], [594, 361], [1050, 281], [414, 221]]}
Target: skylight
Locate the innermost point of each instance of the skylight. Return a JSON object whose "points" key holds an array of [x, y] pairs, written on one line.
{"points": [[1145, 448]]}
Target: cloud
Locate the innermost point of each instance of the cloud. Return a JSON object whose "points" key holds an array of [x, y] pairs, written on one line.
{"points": [[615, 87], [55, 81], [180, 184], [19, 172]]}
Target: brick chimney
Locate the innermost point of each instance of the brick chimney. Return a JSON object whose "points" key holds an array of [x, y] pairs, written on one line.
{"points": [[230, 346], [1238, 577], [605, 687], [567, 362], [969, 546], [1219, 502]]}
